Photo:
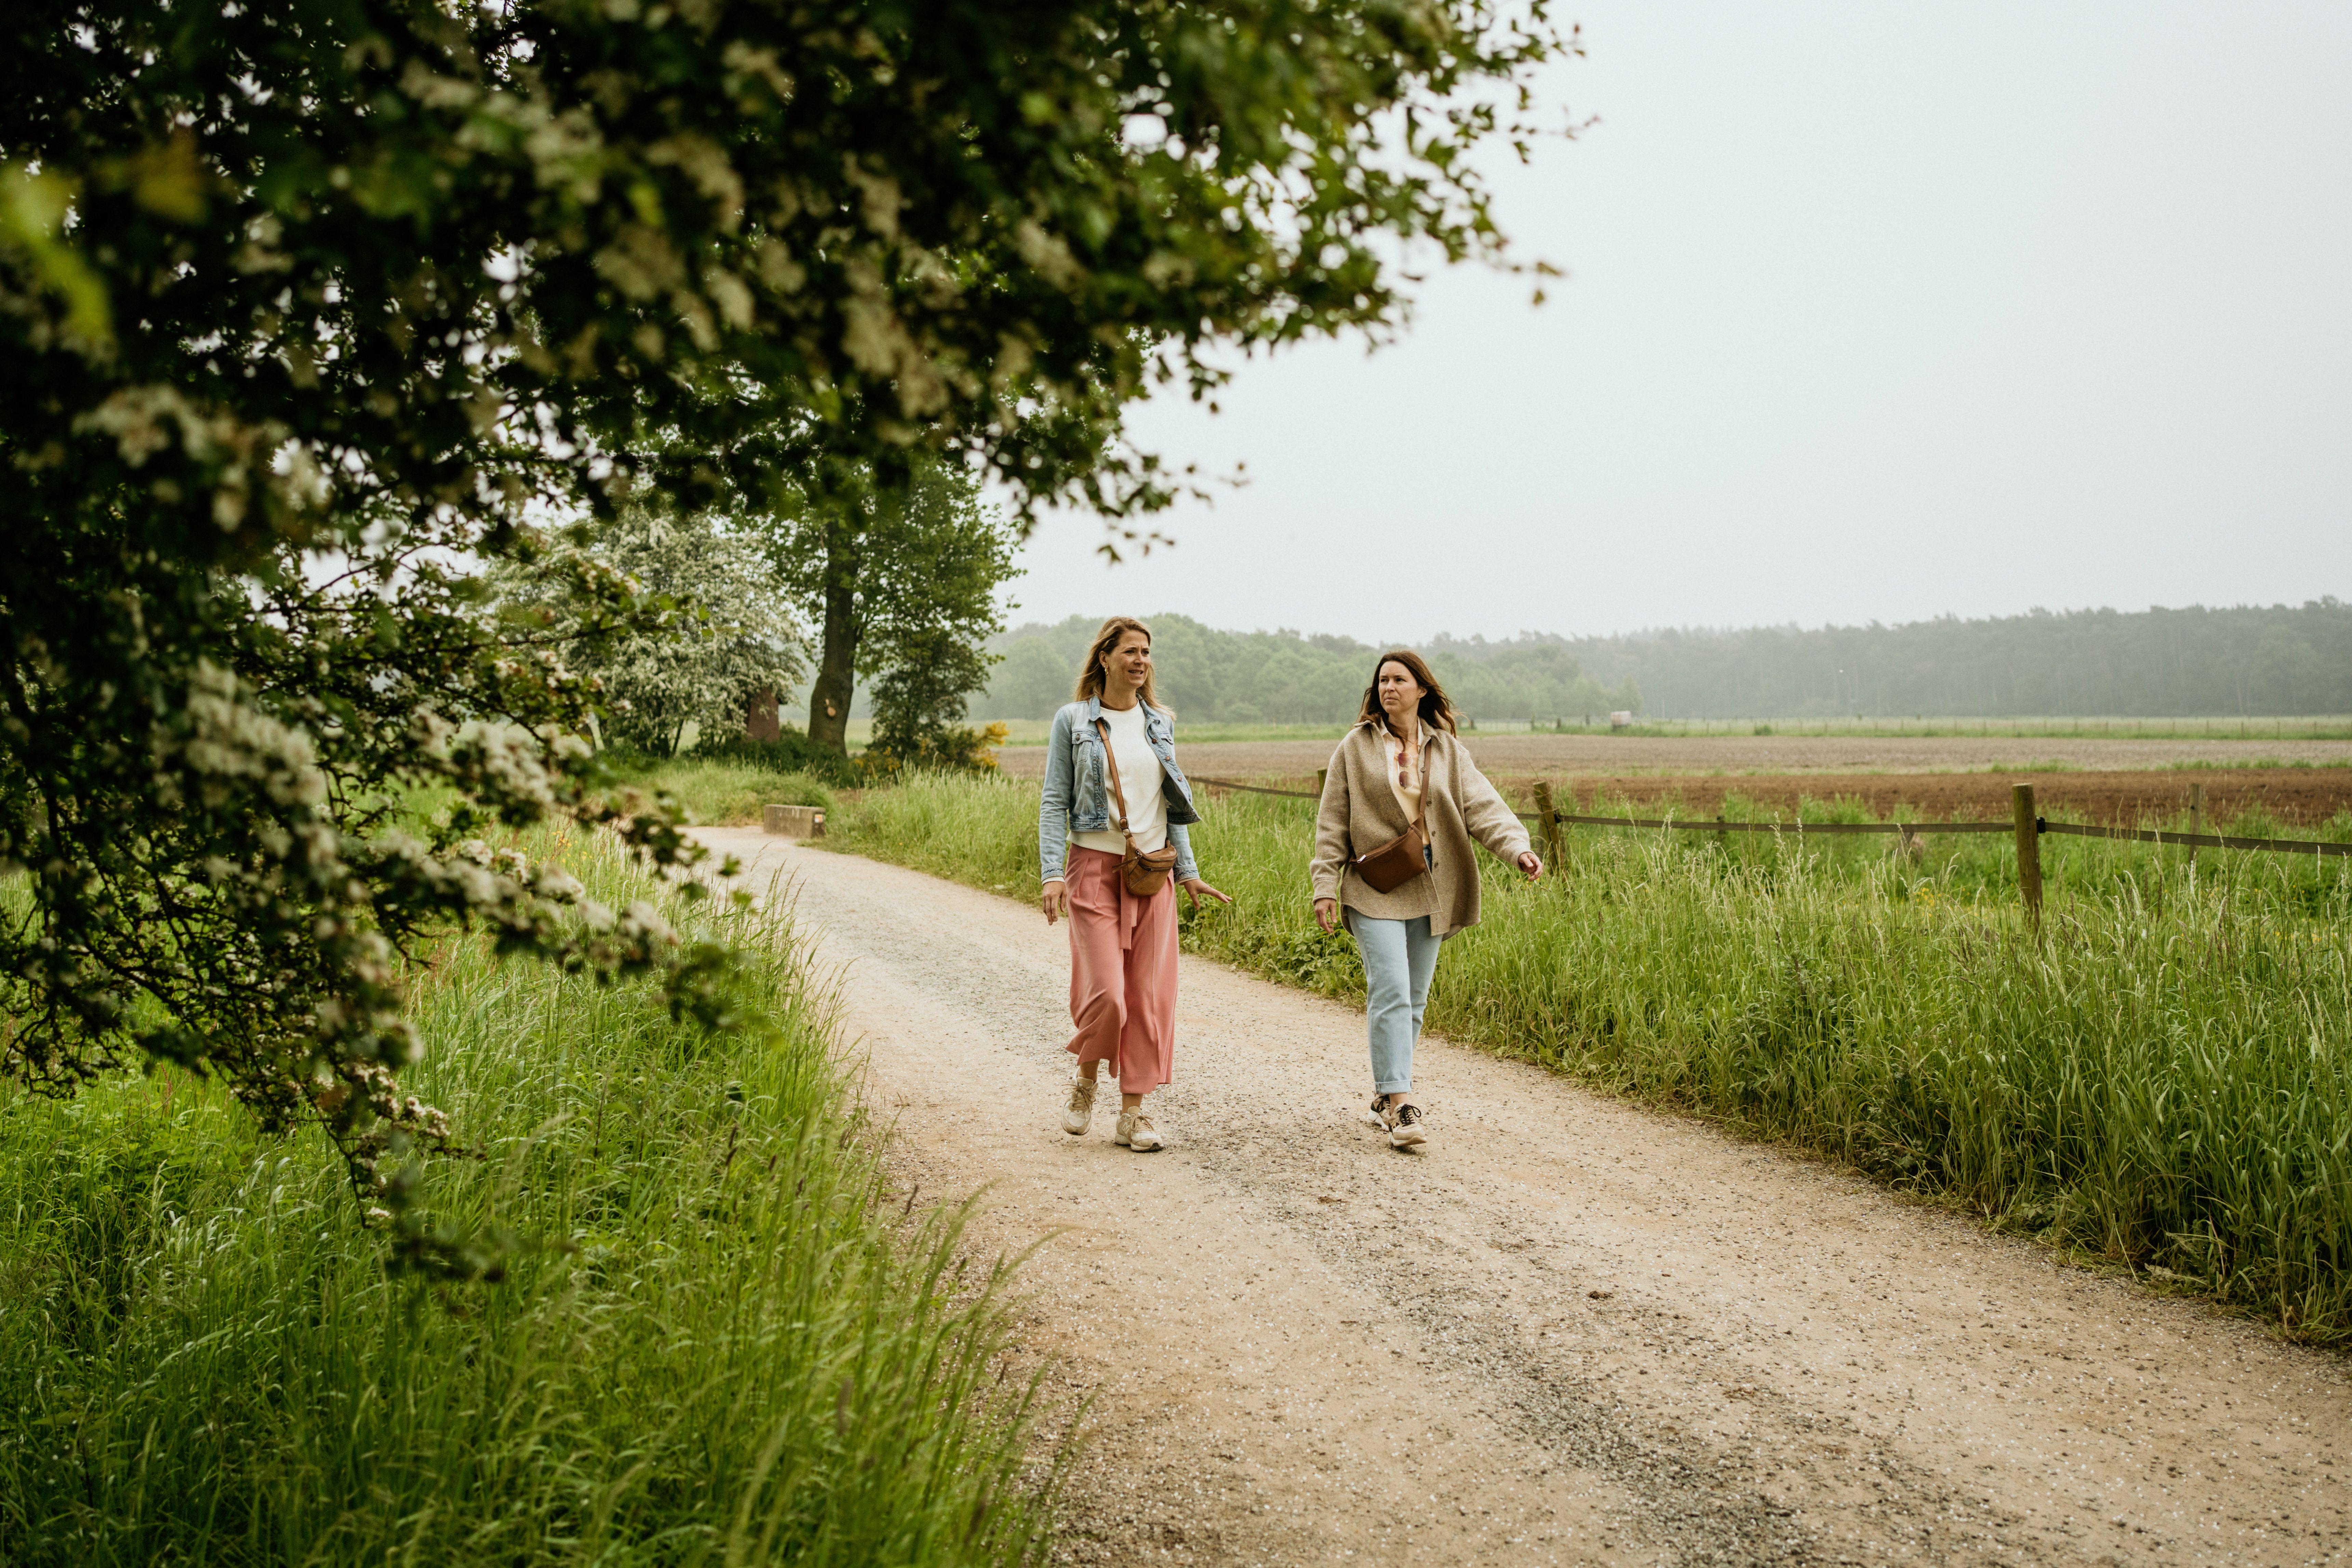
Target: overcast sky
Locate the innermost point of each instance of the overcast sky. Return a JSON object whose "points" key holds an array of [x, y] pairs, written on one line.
{"points": [[1874, 312]]}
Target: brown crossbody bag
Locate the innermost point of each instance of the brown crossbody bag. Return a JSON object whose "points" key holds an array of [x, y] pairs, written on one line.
{"points": [[1144, 874], [1403, 857]]}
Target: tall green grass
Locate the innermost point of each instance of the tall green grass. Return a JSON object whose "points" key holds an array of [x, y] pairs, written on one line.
{"points": [[1983, 867], [2163, 1078], [723, 1340]]}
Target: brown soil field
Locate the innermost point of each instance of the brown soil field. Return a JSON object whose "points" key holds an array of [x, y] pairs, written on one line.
{"points": [[2302, 795], [1527, 755], [1938, 778]]}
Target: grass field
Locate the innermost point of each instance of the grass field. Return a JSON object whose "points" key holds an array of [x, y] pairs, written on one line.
{"points": [[2163, 1079], [722, 1340]]}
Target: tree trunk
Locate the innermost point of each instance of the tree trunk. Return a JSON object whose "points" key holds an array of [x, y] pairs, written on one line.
{"points": [[849, 537], [836, 670], [762, 720]]}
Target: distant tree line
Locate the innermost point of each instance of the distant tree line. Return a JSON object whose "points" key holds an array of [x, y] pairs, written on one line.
{"points": [[1283, 678], [2245, 659], [2248, 659]]}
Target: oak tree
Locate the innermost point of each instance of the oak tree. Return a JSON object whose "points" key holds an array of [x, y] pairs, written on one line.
{"points": [[898, 569]]}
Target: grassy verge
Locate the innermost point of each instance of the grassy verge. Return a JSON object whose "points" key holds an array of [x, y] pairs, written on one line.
{"points": [[725, 793], [730, 1348], [2164, 1079]]}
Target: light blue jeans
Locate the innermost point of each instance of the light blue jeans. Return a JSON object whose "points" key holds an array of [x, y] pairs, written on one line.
{"points": [[1399, 957]]}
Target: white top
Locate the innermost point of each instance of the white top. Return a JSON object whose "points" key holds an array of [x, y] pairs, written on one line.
{"points": [[1408, 786], [1139, 778]]}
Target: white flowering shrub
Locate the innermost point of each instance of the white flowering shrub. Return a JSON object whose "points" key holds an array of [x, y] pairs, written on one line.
{"points": [[732, 635]]}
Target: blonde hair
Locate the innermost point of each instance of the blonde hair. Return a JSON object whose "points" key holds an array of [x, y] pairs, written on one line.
{"points": [[1091, 678]]}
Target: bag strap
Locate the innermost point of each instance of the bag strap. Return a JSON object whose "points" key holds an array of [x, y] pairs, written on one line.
{"points": [[1110, 755], [1420, 822], [1420, 811]]}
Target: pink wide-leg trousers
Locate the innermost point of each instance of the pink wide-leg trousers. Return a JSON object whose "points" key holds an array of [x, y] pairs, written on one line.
{"points": [[1122, 972]]}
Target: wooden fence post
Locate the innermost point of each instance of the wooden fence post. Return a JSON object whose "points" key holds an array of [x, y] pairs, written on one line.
{"points": [[2196, 817], [1320, 775], [1550, 821], [2029, 852]]}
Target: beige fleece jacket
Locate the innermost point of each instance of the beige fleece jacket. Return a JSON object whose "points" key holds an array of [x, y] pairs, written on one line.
{"points": [[1361, 811]]}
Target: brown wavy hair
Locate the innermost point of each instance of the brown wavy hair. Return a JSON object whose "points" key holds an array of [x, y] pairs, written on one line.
{"points": [[1091, 678], [1436, 708]]}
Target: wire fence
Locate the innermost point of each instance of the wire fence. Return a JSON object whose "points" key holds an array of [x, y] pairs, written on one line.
{"points": [[2042, 825], [1259, 789]]}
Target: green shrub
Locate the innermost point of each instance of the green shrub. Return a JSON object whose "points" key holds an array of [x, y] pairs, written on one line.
{"points": [[894, 757], [790, 753]]}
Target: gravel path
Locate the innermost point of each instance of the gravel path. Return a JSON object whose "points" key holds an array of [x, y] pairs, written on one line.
{"points": [[1525, 754], [1574, 1331]]}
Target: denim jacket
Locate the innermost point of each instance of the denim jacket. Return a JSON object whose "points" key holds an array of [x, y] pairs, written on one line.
{"points": [[1077, 786]]}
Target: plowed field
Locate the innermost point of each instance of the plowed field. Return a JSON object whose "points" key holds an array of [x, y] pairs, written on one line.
{"points": [[1523, 754], [1942, 778]]}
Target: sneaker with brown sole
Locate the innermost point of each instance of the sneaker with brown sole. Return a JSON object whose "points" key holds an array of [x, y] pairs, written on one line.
{"points": [[1080, 1112], [1136, 1132]]}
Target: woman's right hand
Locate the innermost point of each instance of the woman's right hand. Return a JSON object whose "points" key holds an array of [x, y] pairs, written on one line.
{"points": [[1056, 900], [1326, 913]]}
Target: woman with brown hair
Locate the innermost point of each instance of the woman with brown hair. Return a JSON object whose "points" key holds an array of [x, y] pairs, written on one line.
{"points": [[1401, 804], [1110, 838]]}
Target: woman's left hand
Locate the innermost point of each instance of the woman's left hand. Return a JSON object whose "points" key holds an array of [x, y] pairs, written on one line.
{"points": [[1200, 889], [1532, 864]]}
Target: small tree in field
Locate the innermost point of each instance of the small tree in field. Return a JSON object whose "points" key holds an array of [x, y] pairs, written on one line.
{"points": [[920, 703]]}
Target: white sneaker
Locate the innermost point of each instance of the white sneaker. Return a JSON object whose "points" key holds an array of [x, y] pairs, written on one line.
{"points": [[1081, 1108], [1406, 1130], [1136, 1132]]}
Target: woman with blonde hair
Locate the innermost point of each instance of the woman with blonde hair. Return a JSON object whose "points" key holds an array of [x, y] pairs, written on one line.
{"points": [[1110, 838], [1401, 804]]}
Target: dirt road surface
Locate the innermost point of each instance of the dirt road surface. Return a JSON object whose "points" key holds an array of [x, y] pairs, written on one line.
{"points": [[1516, 754], [1573, 1331]]}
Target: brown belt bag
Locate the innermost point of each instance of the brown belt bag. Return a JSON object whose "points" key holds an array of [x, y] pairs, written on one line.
{"points": [[1144, 874], [1398, 861]]}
